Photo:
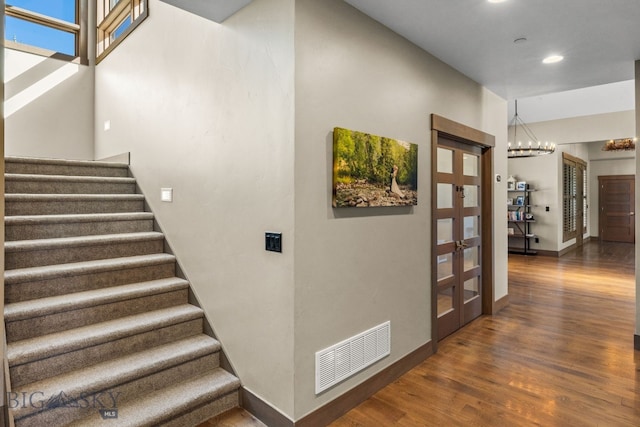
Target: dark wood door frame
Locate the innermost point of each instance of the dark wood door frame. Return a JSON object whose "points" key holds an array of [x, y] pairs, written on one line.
{"points": [[465, 134]]}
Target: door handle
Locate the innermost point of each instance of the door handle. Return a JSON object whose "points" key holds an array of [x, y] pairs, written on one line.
{"points": [[632, 213], [460, 245]]}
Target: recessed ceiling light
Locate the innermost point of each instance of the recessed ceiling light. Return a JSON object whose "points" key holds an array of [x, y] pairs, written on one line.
{"points": [[552, 59], [496, 1]]}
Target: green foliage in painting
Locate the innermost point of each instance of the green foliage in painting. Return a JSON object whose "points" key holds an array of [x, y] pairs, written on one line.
{"points": [[370, 170], [361, 156]]}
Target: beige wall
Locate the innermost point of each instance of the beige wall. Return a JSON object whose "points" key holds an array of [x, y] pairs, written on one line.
{"points": [[55, 94], [599, 127], [355, 269], [207, 109], [545, 183]]}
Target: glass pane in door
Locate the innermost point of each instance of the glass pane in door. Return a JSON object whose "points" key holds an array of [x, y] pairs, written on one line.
{"points": [[470, 196], [445, 266], [445, 230], [445, 301], [445, 196], [471, 289], [471, 228], [470, 164], [445, 160], [471, 258]]}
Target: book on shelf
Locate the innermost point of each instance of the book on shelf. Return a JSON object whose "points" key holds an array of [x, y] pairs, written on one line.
{"points": [[515, 216]]}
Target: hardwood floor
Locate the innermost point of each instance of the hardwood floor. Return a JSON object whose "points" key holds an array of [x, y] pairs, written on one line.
{"points": [[235, 418], [560, 354]]}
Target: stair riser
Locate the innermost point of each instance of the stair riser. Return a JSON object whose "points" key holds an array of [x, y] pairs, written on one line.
{"points": [[205, 412], [16, 292], [127, 392], [50, 323], [24, 259], [42, 169], [57, 364], [71, 207], [62, 187], [49, 231]]}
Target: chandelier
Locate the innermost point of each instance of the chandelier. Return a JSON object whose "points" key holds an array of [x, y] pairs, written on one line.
{"points": [[534, 147], [625, 144]]}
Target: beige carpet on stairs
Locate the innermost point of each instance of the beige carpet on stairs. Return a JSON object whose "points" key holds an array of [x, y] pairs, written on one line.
{"points": [[99, 328]]}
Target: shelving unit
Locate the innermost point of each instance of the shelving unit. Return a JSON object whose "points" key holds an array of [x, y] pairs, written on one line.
{"points": [[519, 219]]}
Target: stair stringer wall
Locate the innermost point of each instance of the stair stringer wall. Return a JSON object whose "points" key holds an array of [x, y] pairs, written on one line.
{"points": [[221, 134], [193, 299]]}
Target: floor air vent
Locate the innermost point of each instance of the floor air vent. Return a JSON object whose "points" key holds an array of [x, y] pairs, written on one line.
{"points": [[340, 361]]}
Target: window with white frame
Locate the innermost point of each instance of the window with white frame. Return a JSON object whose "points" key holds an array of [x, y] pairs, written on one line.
{"points": [[117, 19]]}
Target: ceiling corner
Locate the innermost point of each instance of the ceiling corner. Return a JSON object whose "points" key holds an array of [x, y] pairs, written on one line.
{"points": [[214, 10]]}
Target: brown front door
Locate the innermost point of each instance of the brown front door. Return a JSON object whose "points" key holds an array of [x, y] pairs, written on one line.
{"points": [[458, 240], [617, 208]]}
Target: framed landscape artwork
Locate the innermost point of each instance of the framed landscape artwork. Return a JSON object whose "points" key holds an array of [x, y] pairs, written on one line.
{"points": [[371, 170]]}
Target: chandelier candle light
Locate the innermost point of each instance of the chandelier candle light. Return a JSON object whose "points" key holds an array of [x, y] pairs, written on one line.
{"points": [[533, 148]]}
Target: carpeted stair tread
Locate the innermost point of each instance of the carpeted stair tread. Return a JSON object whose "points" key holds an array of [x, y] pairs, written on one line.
{"points": [[76, 241], [68, 178], [167, 404], [67, 184], [21, 275], [70, 197], [24, 227], [47, 306], [121, 370], [57, 166], [50, 204], [39, 252], [64, 162], [93, 304], [73, 218], [39, 348]]}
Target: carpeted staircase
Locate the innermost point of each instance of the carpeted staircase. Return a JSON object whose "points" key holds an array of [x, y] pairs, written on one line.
{"points": [[98, 326]]}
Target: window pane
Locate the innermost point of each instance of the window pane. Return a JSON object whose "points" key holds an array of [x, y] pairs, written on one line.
{"points": [[60, 9], [445, 230], [470, 196], [25, 32], [470, 258], [121, 28], [470, 164], [445, 266], [445, 160], [445, 196], [471, 289], [445, 301], [471, 228]]}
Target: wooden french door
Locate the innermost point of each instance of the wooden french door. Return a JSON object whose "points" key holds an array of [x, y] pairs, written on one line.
{"points": [[617, 208], [458, 234]]}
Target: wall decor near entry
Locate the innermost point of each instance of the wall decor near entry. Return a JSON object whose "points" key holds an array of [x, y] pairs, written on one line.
{"points": [[371, 170]]}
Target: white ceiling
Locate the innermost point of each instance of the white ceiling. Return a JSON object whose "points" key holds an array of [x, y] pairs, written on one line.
{"points": [[599, 39], [215, 10]]}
